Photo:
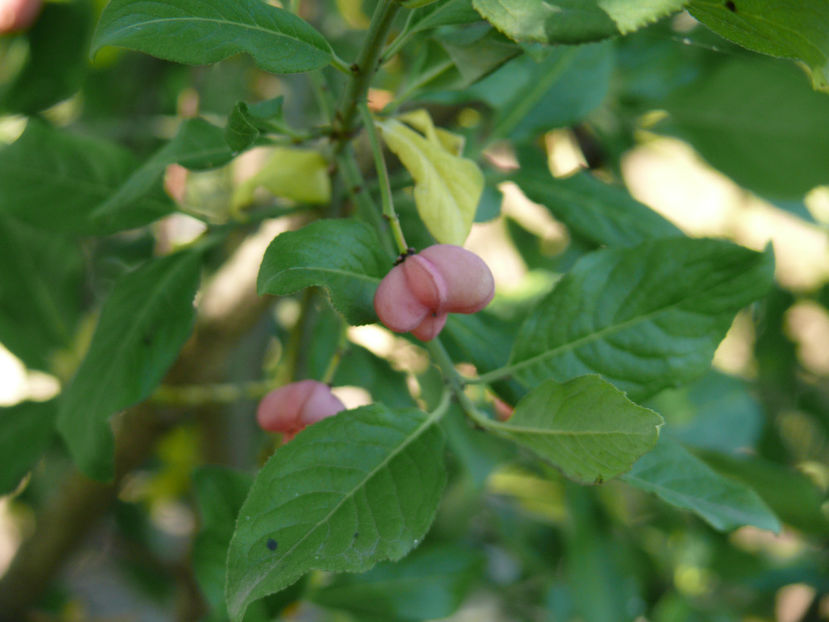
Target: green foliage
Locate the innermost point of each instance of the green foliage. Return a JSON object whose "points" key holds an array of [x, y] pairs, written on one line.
{"points": [[33, 421]]}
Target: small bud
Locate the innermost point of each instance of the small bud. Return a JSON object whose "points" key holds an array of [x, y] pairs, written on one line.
{"points": [[290, 408]]}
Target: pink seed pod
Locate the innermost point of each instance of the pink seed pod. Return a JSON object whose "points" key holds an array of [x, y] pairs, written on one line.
{"points": [[429, 328], [18, 15], [290, 408], [469, 283], [395, 303]]}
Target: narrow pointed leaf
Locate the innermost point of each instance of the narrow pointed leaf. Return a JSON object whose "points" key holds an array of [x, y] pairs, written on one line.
{"points": [[586, 427], [201, 32], [55, 180], [681, 479], [26, 429], [341, 255], [144, 323], [354, 489], [646, 318]]}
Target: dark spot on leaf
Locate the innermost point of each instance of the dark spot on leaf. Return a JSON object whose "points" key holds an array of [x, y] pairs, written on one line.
{"points": [[356, 534], [272, 544], [146, 340], [731, 6]]}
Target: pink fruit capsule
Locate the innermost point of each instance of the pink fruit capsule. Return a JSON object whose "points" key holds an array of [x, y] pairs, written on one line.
{"points": [[469, 283], [18, 14], [429, 328], [290, 408], [396, 305]]}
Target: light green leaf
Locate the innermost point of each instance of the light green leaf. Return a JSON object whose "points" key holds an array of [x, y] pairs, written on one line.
{"points": [[679, 478], [55, 180], [757, 121], [291, 173], [197, 145], [572, 21], [593, 210], [341, 255], [586, 427], [447, 186], [798, 30], [354, 489], [430, 583], [646, 318], [201, 32], [26, 430], [144, 323]]}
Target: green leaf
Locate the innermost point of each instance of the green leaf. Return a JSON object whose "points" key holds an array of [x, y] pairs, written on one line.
{"points": [[55, 180], [220, 493], [291, 173], [572, 21], [26, 430], [757, 121], [57, 62], [679, 478], [341, 255], [197, 145], [595, 211], [447, 186], [201, 32], [646, 318], [41, 276], [430, 583], [799, 31], [360, 367], [586, 427], [144, 323], [354, 489], [445, 13]]}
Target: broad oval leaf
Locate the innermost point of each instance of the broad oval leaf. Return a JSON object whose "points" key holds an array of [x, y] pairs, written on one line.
{"points": [[792, 30], [681, 479], [200, 32], [55, 180], [586, 427], [144, 323], [292, 173], [354, 489], [572, 21], [341, 255], [26, 429], [447, 186], [430, 583], [646, 318]]}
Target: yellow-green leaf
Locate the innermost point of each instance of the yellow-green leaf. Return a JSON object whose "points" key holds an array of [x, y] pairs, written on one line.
{"points": [[297, 174], [447, 186]]}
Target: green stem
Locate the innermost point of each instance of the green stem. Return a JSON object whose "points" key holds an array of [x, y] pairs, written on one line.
{"points": [[412, 88], [201, 394], [340, 65], [399, 41], [383, 179], [334, 363], [456, 382], [495, 374]]}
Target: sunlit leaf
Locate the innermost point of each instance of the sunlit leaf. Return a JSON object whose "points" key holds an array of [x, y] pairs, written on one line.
{"points": [[291, 173]]}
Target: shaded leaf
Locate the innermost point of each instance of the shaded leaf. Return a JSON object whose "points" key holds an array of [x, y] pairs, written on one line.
{"points": [[448, 12], [201, 32], [26, 430], [144, 323], [679, 478], [586, 427], [354, 489], [647, 317], [341, 255]]}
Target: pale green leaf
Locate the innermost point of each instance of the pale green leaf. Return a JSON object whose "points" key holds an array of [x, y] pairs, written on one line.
{"points": [[342, 255], [354, 489], [586, 427], [201, 32], [447, 186], [572, 21], [291, 173], [646, 317], [681, 479], [797, 29], [144, 323]]}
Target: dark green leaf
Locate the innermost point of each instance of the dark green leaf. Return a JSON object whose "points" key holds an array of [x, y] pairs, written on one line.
{"points": [[757, 121], [792, 30], [198, 145], [40, 292], [359, 367], [342, 255], [200, 32], [354, 489], [241, 132], [57, 62], [603, 214], [144, 323], [448, 12], [681, 479], [430, 583], [586, 427], [572, 21], [55, 180], [647, 317], [26, 430]]}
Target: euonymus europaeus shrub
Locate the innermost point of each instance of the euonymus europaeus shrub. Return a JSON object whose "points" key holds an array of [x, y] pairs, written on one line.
{"points": [[201, 199]]}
